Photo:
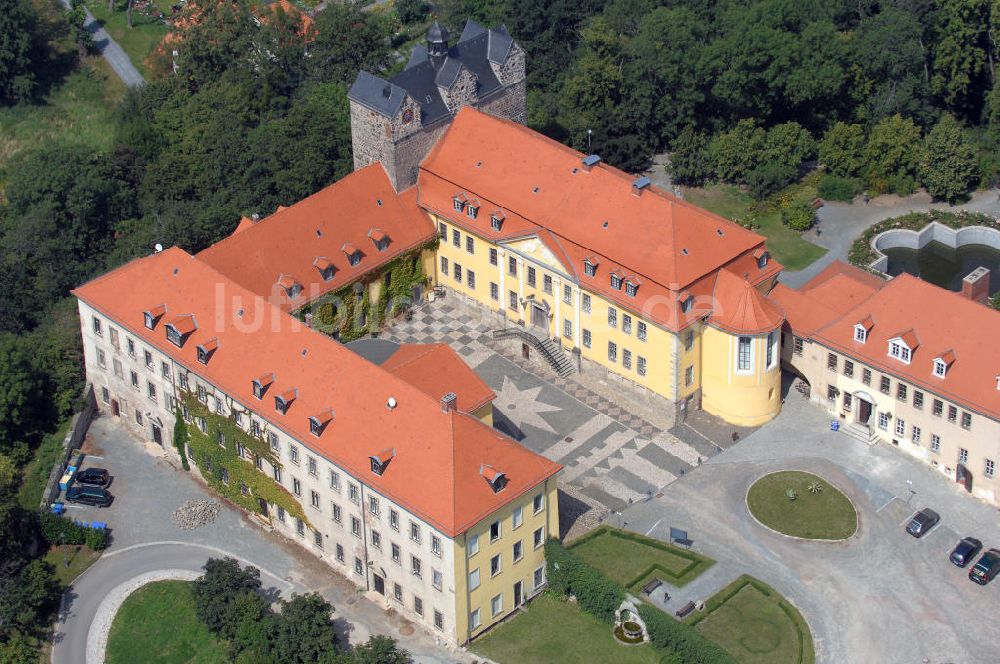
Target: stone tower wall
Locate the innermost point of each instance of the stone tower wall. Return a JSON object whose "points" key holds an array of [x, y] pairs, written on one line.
{"points": [[461, 93], [511, 104]]}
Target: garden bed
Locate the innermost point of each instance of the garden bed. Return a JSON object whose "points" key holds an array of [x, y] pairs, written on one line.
{"points": [[823, 514]]}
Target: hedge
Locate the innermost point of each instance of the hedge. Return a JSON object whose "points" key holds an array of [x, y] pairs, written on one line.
{"points": [[60, 530], [862, 254], [681, 641], [676, 642]]}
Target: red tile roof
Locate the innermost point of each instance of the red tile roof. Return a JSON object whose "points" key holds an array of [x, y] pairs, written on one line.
{"points": [[666, 242], [436, 369], [739, 308], [435, 473], [832, 293], [289, 241], [934, 321]]}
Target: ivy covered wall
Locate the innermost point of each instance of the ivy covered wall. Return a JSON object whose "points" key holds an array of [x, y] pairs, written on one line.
{"points": [[238, 479], [361, 307]]}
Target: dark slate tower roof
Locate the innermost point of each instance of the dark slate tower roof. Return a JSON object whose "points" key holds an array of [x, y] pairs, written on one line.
{"points": [[436, 64]]}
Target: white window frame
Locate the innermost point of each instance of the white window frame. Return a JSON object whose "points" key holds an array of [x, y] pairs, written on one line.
{"points": [[738, 341], [860, 334]]}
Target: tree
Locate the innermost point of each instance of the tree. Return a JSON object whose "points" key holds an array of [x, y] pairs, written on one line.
{"points": [[960, 54], [948, 167], [893, 154], [24, 595], [736, 152], [788, 145], [348, 40], [888, 50], [218, 589], [410, 11], [20, 385], [76, 18], [690, 163], [304, 632], [841, 150], [380, 649], [18, 26]]}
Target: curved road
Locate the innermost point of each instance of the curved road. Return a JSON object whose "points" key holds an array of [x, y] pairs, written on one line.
{"points": [[81, 602]]}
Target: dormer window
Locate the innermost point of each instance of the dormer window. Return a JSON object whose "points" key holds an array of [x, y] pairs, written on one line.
{"points": [[496, 220], [496, 479], [261, 384], [472, 210], [941, 369], [174, 335], [381, 460], [207, 349], [616, 281], [317, 423], [899, 350], [353, 253], [325, 267], [686, 300], [631, 287], [590, 267], [459, 202], [379, 239], [998, 382], [762, 257], [151, 317], [860, 334], [291, 287], [284, 400]]}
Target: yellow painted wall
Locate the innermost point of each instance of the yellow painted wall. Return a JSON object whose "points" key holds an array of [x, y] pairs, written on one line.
{"points": [[743, 399], [467, 601]]}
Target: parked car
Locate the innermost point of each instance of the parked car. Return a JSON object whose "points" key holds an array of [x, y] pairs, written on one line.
{"points": [[92, 477], [88, 495], [922, 522], [965, 551], [987, 567]]}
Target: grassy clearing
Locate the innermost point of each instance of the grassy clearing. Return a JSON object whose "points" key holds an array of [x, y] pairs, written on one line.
{"points": [[631, 560], [788, 246], [756, 625], [157, 625], [78, 556], [553, 630], [827, 515], [78, 109], [139, 40]]}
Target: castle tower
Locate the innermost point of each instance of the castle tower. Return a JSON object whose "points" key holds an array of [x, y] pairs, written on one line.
{"points": [[397, 121]]}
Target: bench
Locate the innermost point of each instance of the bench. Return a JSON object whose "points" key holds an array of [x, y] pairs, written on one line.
{"points": [[686, 543], [685, 610], [650, 587]]}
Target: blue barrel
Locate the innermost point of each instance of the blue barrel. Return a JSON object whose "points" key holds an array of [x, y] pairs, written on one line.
{"points": [[834, 425]]}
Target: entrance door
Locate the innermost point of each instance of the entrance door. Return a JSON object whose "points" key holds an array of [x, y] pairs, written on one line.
{"points": [[157, 435], [518, 594], [262, 506], [114, 408], [379, 584], [864, 411], [538, 317]]}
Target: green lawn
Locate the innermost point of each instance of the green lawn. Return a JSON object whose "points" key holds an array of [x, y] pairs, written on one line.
{"points": [[157, 625], [826, 515], [629, 559], [79, 558], [78, 109], [788, 246], [139, 40], [553, 630], [757, 626]]}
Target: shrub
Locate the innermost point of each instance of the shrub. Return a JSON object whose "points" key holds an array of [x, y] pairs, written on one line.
{"points": [[769, 179], [835, 188], [596, 594], [681, 642], [798, 216], [96, 538], [60, 530]]}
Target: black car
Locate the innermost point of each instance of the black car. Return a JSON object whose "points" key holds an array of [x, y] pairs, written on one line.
{"points": [[922, 522], [92, 477], [965, 551], [987, 567], [88, 495]]}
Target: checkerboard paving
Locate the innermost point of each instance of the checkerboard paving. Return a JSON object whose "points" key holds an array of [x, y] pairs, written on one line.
{"points": [[611, 455]]}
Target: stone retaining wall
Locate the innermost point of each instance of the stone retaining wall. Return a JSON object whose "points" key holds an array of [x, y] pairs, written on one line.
{"points": [[934, 231]]}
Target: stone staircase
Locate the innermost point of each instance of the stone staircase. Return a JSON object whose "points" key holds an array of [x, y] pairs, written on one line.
{"points": [[859, 432], [550, 350]]}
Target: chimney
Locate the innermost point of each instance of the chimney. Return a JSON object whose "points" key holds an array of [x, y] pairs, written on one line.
{"points": [[255, 217], [309, 320], [976, 285], [639, 185], [590, 161], [448, 402]]}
